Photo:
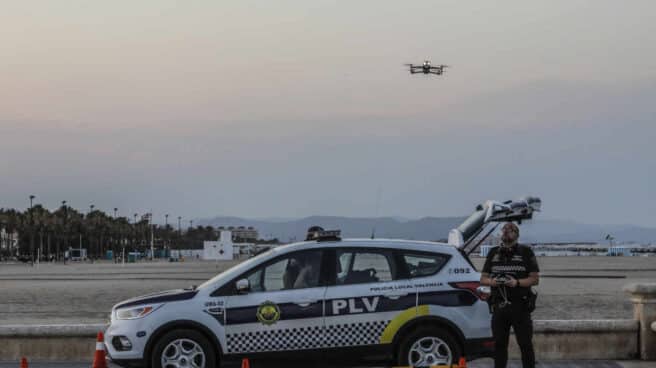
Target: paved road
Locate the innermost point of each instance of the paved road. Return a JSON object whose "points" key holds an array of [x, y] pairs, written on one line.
{"points": [[485, 363]]}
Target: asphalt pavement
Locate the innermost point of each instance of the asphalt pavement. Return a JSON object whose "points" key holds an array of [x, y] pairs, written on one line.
{"points": [[484, 363]]}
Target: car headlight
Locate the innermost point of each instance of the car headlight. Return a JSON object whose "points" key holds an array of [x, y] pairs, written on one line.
{"points": [[136, 312]]}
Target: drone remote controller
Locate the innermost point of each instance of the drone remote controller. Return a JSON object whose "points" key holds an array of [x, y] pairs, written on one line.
{"points": [[501, 280]]}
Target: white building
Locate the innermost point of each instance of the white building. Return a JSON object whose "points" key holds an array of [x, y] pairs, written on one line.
{"points": [[241, 234], [186, 253], [223, 249], [8, 241], [619, 251]]}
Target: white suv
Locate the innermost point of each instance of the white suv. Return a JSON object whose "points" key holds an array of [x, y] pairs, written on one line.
{"points": [[417, 303]]}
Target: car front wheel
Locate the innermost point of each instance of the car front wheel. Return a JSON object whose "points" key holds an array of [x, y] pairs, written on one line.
{"points": [[183, 349], [427, 347]]}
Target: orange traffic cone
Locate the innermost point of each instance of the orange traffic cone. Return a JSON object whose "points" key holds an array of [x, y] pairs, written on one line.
{"points": [[99, 360], [23, 363], [245, 363], [462, 363]]}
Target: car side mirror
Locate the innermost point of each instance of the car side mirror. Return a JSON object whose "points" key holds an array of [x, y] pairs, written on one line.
{"points": [[243, 286]]}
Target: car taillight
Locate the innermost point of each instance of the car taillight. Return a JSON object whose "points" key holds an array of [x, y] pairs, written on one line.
{"points": [[481, 292]]}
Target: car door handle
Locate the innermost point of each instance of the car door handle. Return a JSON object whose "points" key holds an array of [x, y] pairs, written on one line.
{"points": [[395, 296], [305, 303]]}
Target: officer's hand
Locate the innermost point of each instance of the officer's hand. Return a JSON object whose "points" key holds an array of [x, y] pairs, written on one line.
{"points": [[512, 282]]}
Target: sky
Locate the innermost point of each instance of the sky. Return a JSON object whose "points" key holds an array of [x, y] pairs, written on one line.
{"points": [[297, 108]]}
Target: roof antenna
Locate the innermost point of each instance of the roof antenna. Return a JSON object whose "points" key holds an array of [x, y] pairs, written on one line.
{"points": [[373, 229]]}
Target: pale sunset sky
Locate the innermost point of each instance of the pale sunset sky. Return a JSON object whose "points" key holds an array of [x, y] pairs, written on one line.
{"points": [[296, 108]]}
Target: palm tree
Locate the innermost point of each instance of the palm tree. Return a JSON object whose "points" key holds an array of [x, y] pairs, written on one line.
{"points": [[40, 221], [61, 229]]}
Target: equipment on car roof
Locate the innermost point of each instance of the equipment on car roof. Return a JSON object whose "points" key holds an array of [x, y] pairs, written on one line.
{"points": [[319, 234], [493, 211]]}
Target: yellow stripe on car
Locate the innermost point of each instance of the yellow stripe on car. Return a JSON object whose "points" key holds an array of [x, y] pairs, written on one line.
{"points": [[393, 327]]}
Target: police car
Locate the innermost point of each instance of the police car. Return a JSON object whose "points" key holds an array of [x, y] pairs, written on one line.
{"points": [[417, 303]]}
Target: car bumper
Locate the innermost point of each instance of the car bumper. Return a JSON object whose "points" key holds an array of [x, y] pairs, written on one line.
{"points": [[137, 333]]}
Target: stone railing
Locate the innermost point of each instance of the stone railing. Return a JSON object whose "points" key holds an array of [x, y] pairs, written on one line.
{"points": [[643, 296], [583, 339]]}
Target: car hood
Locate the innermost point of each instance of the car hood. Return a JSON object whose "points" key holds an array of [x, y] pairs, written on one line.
{"points": [[158, 297]]}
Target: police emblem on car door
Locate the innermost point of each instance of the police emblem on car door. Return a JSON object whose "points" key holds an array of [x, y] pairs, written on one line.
{"points": [[366, 297], [279, 307]]}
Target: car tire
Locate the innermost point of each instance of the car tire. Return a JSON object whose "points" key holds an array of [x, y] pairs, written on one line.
{"points": [[183, 346], [437, 344]]}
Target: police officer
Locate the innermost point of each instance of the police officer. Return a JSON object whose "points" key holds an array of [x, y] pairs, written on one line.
{"points": [[511, 269]]}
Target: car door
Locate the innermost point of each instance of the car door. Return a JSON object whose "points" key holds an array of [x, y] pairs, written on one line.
{"points": [[366, 296], [283, 308]]}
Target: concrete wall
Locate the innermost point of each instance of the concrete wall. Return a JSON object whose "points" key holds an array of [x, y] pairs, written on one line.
{"points": [[594, 339], [48, 342], [590, 339]]}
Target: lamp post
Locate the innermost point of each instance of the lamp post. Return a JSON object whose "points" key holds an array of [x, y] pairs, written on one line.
{"points": [[166, 229], [65, 235], [32, 229], [91, 207], [115, 235], [151, 227], [179, 231], [135, 230]]}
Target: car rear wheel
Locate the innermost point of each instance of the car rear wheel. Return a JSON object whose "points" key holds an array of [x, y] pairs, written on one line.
{"points": [[426, 347], [183, 349]]}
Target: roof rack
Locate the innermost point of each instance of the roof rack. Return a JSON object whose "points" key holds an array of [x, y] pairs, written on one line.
{"points": [[493, 211], [319, 234]]}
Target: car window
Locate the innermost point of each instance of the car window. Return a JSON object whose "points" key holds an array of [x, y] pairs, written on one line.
{"points": [[255, 280], [299, 270], [364, 266], [420, 265], [344, 264], [273, 276]]}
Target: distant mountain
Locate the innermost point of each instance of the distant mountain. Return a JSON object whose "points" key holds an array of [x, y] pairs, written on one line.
{"points": [[432, 228]]}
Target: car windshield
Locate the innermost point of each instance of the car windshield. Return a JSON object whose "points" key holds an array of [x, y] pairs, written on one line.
{"points": [[237, 268]]}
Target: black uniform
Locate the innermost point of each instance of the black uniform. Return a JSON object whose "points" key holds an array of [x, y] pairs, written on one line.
{"points": [[510, 306]]}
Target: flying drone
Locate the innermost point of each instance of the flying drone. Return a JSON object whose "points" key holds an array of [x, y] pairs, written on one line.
{"points": [[427, 68]]}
